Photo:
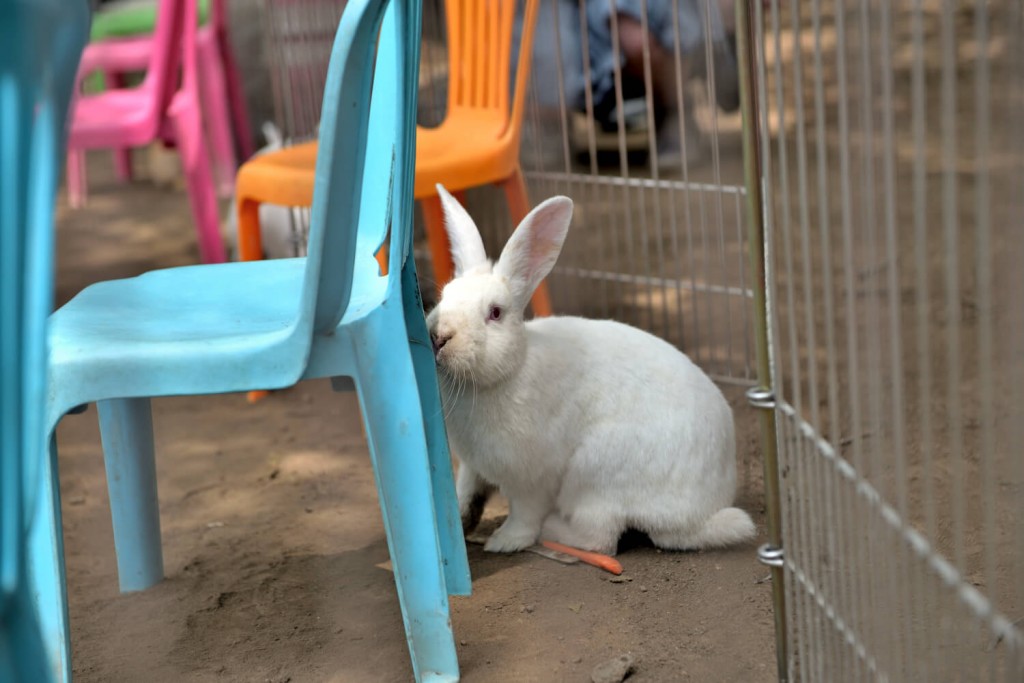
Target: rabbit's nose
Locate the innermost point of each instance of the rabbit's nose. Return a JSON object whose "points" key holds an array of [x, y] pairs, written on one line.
{"points": [[439, 340]]}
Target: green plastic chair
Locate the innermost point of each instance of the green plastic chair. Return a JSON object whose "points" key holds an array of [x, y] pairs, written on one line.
{"points": [[132, 18], [127, 19]]}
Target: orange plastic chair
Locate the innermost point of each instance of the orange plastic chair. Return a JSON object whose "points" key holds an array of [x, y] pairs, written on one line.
{"points": [[477, 143]]}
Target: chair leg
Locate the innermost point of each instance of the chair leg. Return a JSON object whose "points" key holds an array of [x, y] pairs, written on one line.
{"points": [[518, 206], [23, 654], [126, 428], [446, 505], [236, 94], [250, 248], [398, 447], [46, 567], [122, 155], [76, 178], [216, 115], [250, 241], [437, 239], [188, 134]]}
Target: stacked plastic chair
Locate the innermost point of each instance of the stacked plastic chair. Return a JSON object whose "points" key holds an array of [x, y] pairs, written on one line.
{"points": [[123, 38], [165, 107]]}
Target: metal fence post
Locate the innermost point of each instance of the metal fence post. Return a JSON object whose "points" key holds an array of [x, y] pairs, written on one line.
{"points": [[762, 396]]}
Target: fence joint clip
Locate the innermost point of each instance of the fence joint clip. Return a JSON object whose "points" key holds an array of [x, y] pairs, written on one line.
{"points": [[770, 555], [761, 397]]}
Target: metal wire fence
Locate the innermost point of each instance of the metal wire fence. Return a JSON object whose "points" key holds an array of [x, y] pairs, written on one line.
{"points": [[660, 245], [893, 148], [655, 170]]}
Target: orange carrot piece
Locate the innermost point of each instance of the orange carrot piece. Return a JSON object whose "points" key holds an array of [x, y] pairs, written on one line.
{"points": [[257, 395], [605, 562]]}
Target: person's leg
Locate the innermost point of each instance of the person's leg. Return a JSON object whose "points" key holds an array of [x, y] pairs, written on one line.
{"points": [[684, 28], [664, 79], [670, 40], [678, 138], [727, 8], [710, 29]]}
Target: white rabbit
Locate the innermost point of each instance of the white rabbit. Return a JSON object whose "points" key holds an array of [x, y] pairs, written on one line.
{"points": [[276, 234], [588, 427]]}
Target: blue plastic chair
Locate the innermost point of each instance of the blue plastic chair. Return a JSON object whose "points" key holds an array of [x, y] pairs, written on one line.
{"points": [[40, 45], [268, 324]]}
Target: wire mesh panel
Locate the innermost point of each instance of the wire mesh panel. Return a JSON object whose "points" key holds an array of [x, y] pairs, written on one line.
{"points": [[893, 148], [649, 149], [654, 164], [640, 134], [299, 35]]}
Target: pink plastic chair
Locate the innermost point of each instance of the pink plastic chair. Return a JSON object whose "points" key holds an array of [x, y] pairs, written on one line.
{"points": [[219, 73], [158, 109]]}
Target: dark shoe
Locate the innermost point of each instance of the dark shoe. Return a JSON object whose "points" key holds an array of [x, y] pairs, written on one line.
{"points": [[727, 75]]}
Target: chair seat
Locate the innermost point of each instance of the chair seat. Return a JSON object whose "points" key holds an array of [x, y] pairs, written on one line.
{"points": [[284, 177], [196, 329], [198, 314], [114, 118]]}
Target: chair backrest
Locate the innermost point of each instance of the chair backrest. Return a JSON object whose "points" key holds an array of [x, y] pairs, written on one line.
{"points": [[187, 52], [366, 165], [173, 36], [479, 54], [217, 14], [41, 42]]}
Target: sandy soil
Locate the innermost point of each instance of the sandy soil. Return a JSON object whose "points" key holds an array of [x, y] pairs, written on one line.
{"points": [[275, 555]]}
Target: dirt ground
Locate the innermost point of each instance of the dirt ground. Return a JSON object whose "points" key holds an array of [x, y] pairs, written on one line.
{"points": [[274, 551]]}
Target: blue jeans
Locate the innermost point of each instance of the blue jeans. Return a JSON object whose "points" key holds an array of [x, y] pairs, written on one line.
{"points": [[681, 26]]}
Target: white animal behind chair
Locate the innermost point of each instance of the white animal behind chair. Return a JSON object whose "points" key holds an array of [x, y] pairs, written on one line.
{"points": [[588, 427], [276, 234]]}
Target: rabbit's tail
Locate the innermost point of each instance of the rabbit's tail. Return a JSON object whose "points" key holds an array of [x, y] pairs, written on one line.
{"points": [[727, 527]]}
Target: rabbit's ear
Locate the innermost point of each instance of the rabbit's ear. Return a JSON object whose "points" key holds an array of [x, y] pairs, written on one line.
{"points": [[466, 243], [532, 250]]}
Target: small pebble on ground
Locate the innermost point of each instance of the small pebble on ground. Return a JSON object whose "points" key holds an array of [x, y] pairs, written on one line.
{"points": [[614, 670]]}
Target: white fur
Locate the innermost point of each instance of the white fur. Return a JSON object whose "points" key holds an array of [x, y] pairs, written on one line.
{"points": [[463, 237], [588, 427]]}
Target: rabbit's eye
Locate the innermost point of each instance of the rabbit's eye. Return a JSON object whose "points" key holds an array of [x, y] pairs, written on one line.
{"points": [[495, 313]]}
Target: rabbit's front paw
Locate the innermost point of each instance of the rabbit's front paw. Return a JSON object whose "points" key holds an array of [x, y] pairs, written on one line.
{"points": [[509, 538]]}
